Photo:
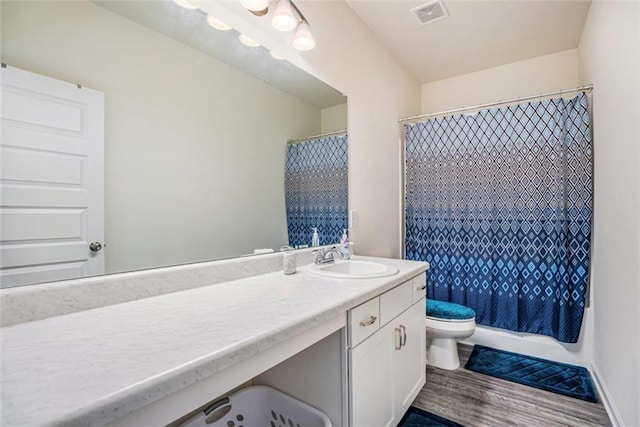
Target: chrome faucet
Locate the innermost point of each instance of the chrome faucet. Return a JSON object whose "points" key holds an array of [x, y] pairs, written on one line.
{"points": [[325, 256]]}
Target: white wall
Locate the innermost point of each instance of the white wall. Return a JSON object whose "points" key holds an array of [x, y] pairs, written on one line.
{"points": [[530, 77], [610, 59], [194, 149], [349, 57], [334, 118]]}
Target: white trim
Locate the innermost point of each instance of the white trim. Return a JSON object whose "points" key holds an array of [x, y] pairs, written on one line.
{"points": [[603, 392]]}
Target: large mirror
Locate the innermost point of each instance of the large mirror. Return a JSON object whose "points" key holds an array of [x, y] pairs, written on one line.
{"points": [[200, 135]]}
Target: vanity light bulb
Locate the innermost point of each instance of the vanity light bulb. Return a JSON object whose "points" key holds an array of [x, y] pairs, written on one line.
{"points": [[284, 18], [248, 41], [185, 4], [217, 24], [255, 5], [303, 40]]}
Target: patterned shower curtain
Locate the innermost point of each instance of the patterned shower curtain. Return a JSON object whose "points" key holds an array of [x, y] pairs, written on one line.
{"points": [[316, 189], [500, 204]]}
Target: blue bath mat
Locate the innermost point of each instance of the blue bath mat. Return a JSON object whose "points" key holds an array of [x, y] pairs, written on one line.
{"points": [[418, 418], [561, 378]]}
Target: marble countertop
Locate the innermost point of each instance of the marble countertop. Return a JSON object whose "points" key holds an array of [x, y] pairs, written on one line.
{"points": [[94, 366]]}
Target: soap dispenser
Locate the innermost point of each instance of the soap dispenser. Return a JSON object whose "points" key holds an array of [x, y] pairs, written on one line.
{"points": [[345, 245], [315, 240]]}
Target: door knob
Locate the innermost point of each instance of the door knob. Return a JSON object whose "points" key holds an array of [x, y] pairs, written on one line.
{"points": [[95, 246]]}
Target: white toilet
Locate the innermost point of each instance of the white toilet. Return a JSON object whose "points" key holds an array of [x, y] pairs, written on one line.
{"points": [[445, 324]]}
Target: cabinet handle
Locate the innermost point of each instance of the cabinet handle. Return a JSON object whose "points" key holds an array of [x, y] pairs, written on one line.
{"points": [[369, 322], [403, 341], [421, 288], [398, 346]]}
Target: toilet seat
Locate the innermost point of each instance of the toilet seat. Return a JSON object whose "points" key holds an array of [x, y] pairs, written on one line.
{"points": [[450, 325], [438, 319]]}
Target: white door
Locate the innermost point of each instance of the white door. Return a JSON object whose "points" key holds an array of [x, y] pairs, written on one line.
{"points": [[51, 179], [409, 361], [371, 380]]}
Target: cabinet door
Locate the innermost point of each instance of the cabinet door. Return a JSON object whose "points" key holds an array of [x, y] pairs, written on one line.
{"points": [[409, 369], [370, 384]]}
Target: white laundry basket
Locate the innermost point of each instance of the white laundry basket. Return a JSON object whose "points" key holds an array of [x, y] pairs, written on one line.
{"points": [[259, 406]]}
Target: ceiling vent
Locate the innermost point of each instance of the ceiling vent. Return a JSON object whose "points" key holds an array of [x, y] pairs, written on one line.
{"points": [[430, 12]]}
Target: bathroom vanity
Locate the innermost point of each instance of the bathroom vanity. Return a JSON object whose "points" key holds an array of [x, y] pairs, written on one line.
{"points": [[387, 363], [353, 348]]}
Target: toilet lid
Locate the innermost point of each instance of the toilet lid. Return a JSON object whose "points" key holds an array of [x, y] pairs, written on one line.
{"points": [[448, 310]]}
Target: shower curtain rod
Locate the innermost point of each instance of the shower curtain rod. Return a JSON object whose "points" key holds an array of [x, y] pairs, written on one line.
{"points": [[492, 104], [295, 141]]}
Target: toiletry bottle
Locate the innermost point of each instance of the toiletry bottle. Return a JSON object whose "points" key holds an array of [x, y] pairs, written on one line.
{"points": [[344, 245], [315, 240]]}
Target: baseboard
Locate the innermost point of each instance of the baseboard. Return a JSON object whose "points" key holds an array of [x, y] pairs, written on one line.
{"points": [[609, 406]]}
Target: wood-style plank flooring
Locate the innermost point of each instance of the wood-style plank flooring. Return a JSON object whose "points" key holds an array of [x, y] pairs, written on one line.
{"points": [[473, 399]]}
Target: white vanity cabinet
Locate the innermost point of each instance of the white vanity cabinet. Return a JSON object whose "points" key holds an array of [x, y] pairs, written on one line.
{"points": [[370, 380], [337, 345], [386, 354]]}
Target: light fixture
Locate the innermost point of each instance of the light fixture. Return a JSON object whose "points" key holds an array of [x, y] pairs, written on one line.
{"points": [[284, 17], [217, 24], [256, 5], [248, 41], [303, 39], [185, 3], [275, 55]]}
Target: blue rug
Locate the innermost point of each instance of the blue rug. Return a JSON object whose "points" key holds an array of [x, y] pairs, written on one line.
{"points": [[561, 378], [418, 418]]}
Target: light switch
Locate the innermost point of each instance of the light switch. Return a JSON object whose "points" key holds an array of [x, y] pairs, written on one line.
{"points": [[353, 219]]}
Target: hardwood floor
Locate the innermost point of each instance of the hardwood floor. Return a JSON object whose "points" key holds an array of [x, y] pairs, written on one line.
{"points": [[473, 399]]}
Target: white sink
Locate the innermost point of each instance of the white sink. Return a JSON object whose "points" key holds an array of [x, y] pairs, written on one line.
{"points": [[353, 269]]}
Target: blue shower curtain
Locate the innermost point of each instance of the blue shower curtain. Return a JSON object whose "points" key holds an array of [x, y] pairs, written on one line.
{"points": [[500, 204], [316, 189]]}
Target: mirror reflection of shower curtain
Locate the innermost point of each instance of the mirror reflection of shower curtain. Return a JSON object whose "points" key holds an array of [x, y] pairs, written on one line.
{"points": [[500, 205], [316, 189]]}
